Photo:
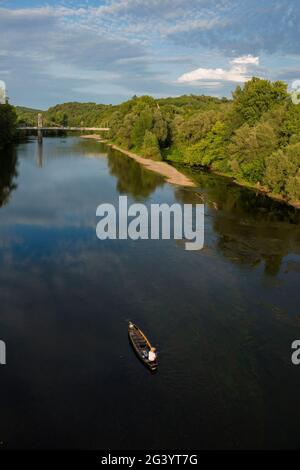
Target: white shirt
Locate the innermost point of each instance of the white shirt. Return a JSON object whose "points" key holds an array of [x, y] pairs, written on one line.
{"points": [[151, 356]]}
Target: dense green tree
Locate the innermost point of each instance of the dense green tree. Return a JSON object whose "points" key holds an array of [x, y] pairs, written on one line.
{"points": [[283, 172], [8, 123], [210, 151], [151, 146], [27, 116], [257, 97], [290, 128], [248, 149], [143, 123], [160, 127], [191, 130]]}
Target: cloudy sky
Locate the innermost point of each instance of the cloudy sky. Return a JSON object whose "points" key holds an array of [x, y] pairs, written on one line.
{"points": [[108, 50]]}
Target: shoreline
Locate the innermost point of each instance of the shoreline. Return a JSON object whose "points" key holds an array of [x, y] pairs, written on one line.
{"points": [[174, 176], [171, 174], [260, 189]]}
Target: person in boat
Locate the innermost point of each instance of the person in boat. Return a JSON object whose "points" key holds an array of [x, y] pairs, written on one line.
{"points": [[152, 355]]}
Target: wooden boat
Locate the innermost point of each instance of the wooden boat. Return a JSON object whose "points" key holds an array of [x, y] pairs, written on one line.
{"points": [[141, 345]]}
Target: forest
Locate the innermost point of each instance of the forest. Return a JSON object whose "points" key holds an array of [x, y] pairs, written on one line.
{"points": [[253, 137], [8, 123]]}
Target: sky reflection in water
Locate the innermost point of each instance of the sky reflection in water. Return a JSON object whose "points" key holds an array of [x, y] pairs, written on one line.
{"points": [[223, 318]]}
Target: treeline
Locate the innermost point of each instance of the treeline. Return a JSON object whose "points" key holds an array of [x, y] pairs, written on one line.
{"points": [[27, 116], [254, 137], [8, 124], [77, 114]]}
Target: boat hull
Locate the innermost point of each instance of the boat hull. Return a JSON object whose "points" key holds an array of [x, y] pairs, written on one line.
{"points": [[141, 346]]}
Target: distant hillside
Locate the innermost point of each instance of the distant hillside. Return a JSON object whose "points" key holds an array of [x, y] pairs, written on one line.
{"points": [[77, 114], [93, 114], [27, 116], [253, 138]]}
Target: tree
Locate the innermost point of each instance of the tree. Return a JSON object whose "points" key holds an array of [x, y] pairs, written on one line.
{"points": [[143, 122], [8, 123], [257, 97], [248, 149], [160, 127], [291, 124], [151, 146], [211, 150], [282, 172]]}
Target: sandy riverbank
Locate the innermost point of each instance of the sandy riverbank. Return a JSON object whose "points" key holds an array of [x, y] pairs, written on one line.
{"points": [[172, 175]]}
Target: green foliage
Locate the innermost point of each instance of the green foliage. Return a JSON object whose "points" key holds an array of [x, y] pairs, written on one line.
{"points": [[290, 128], [191, 130], [151, 146], [27, 116], [254, 137], [77, 115], [143, 123], [248, 149], [253, 171], [257, 97], [8, 123], [283, 172], [211, 149]]}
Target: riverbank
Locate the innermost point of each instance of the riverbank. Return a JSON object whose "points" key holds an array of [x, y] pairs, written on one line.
{"points": [[172, 175], [261, 189]]}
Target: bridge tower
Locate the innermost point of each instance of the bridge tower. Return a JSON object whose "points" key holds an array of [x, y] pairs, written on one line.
{"points": [[40, 125]]}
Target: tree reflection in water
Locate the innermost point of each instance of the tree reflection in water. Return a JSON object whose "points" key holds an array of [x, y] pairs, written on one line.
{"points": [[251, 228], [8, 174], [132, 178]]}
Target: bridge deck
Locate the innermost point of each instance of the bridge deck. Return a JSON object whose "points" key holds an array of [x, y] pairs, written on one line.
{"points": [[64, 128]]}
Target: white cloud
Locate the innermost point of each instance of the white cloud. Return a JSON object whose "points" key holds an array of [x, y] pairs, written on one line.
{"points": [[137, 45], [202, 24], [239, 72], [246, 60]]}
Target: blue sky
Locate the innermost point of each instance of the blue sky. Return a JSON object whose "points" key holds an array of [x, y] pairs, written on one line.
{"points": [[107, 51]]}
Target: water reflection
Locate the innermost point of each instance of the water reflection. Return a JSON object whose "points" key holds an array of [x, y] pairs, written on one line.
{"points": [[223, 330], [222, 194], [8, 174], [132, 177], [39, 154], [250, 228]]}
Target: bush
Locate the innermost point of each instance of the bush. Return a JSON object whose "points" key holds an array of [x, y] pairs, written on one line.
{"points": [[282, 172], [151, 146], [257, 97]]}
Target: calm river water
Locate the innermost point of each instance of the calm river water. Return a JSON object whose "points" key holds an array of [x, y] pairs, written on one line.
{"points": [[223, 318]]}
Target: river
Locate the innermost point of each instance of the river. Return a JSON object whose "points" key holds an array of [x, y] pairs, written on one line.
{"points": [[223, 318]]}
